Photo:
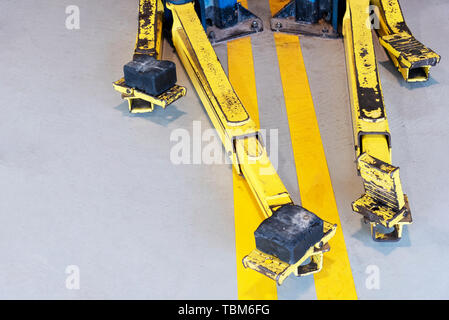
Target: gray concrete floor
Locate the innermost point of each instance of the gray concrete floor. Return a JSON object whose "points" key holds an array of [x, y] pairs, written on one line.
{"points": [[85, 183]]}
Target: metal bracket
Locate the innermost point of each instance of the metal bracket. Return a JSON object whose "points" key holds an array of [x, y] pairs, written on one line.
{"points": [[383, 204], [396, 234], [278, 270], [247, 23], [410, 57], [139, 102], [286, 20]]}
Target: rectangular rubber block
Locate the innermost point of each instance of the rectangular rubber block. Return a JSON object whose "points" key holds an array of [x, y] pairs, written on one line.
{"points": [[147, 74], [289, 233]]}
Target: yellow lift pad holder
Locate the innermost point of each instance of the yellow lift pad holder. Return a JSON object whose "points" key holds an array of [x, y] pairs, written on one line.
{"points": [[279, 270], [140, 102], [384, 203], [148, 42], [411, 57]]}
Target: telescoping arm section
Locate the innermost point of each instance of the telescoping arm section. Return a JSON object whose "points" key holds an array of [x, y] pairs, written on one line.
{"points": [[148, 81], [290, 234], [278, 252], [410, 56], [384, 203]]}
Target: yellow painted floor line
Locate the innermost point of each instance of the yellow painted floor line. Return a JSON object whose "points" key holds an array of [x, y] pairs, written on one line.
{"points": [[335, 281], [251, 285]]}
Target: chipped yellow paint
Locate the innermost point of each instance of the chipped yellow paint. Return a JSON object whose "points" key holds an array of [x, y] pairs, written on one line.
{"points": [[236, 129], [159, 29], [369, 135], [363, 50], [149, 36], [404, 50], [216, 85], [146, 37], [381, 178], [392, 14], [148, 42], [373, 114], [384, 202]]}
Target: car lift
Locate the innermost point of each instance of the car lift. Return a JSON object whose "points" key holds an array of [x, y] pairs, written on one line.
{"points": [[290, 235], [279, 252], [384, 205]]}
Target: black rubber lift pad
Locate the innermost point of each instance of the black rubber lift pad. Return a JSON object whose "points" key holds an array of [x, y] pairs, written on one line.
{"points": [[147, 74], [289, 233]]}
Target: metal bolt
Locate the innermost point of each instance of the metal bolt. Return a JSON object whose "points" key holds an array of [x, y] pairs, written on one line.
{"points": [[255, 24], [278, 25]]}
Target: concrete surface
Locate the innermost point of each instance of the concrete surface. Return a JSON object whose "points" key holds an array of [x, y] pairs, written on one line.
{"points": [[85, 183]]}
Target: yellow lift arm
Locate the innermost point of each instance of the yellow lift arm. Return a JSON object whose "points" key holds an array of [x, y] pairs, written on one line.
{"points": [[240, 139], [410, 56], [384, 203], [148, 43], [237, 131]]}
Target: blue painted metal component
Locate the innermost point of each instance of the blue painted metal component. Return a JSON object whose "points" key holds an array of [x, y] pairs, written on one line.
{"points": [[313, 17], [179, 1], [307, 11], [311, 11], [221, 19], [224, 3], [220, 13]]}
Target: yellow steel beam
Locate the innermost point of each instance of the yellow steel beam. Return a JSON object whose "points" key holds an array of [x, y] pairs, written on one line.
{"points": [[371, 131], [384, 199], [236, 129], [149, 35], [148, 42]]}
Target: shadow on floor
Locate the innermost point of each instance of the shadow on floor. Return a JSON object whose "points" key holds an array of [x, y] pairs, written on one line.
{"points": [[387, 64], [159, 116]]}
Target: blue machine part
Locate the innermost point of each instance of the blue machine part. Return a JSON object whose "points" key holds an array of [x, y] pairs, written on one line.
{"points": [[311, 11], [335, 16], [220, 13]]}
